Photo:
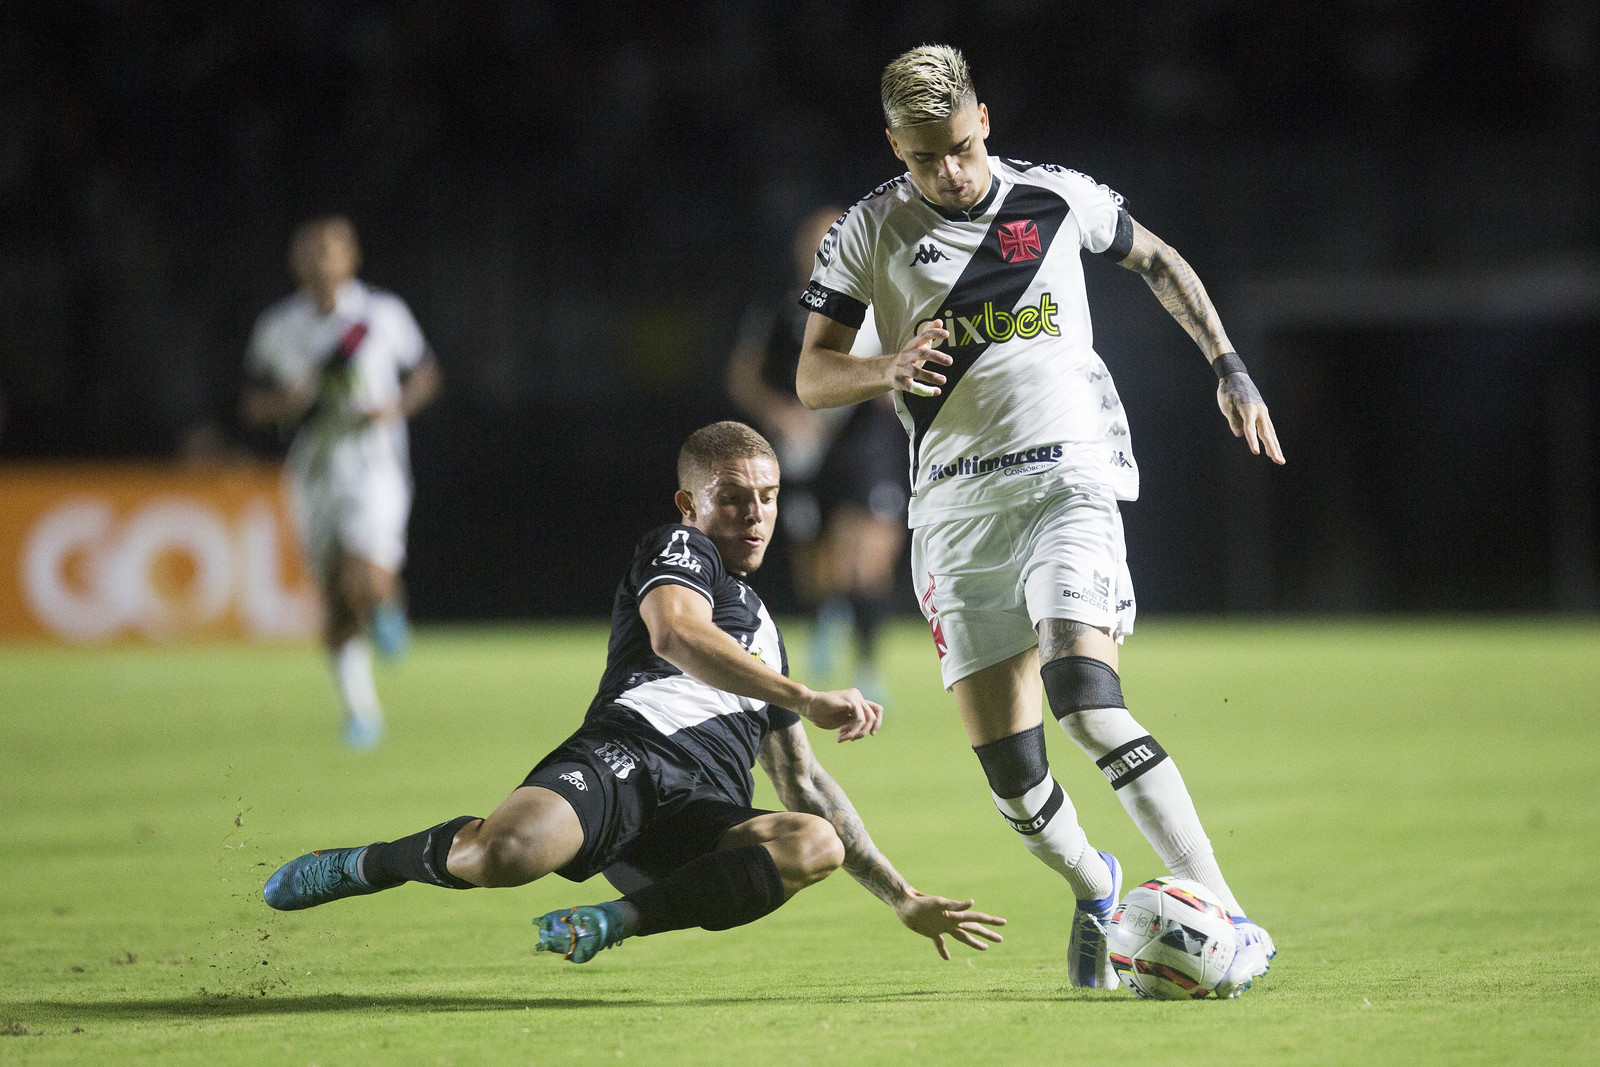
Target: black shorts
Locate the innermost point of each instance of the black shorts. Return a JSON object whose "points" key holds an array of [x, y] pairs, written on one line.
{"points": [[866, 465], [635, 829]]}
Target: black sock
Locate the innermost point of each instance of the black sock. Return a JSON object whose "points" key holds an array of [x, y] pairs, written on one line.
{"points": [[869, 612], [718, 891], [418, 858]]}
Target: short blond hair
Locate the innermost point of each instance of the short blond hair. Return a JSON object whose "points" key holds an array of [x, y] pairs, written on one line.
{"points": [[928, 83], [710, 445]]}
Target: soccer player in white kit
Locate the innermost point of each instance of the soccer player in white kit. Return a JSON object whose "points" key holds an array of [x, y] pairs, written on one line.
{"points": [[1019, 453], [348, 365]]}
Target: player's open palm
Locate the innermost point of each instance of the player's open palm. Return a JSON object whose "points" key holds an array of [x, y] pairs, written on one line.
{"points": [[936, 917], [845, 710], [1247, 416]]}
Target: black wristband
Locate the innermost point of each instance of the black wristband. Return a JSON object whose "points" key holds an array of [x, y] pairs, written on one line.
{"points": [[1228, 363]]}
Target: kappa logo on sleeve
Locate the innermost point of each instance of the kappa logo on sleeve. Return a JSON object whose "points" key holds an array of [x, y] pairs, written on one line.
{"points": [[678, 554]]}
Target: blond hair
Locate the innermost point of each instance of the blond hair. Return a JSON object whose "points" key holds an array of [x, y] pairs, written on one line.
{"points": [[714, 444], [928, 83]]}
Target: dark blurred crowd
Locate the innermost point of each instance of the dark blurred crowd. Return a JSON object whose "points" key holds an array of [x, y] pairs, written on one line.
{"points": [[577, 200]]}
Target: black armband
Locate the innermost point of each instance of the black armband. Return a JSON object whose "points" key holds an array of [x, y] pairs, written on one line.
{"points": [[1228, 363]]}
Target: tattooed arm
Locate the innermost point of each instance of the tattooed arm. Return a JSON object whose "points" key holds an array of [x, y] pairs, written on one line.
{"points": [[803, 785], [1178, 288]]}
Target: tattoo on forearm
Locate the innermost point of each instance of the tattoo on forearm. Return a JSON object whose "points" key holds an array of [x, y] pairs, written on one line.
{"points": [[1240, 389], [816, 793], [862, 860], [1178, 288], [1057, 636]]}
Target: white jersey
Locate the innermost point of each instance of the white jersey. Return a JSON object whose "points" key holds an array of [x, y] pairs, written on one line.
{"points": [[1028, 406], [355, 358]]}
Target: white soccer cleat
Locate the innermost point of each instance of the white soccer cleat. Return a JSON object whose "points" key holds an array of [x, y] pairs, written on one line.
{"points": [[1088, 953], [1252, 960]]}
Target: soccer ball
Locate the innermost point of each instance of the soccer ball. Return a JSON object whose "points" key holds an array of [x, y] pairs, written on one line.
{"points": [[1171, 939]]}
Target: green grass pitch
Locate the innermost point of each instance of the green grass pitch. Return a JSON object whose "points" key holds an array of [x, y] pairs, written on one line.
{"points": [[1410, 807]]}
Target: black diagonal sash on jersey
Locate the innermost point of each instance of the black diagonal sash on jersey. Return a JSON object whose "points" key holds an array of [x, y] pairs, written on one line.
{"points": [[988, 278]]}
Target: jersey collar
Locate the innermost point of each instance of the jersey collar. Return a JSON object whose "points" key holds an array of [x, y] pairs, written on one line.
{"points": [[976, 211]]}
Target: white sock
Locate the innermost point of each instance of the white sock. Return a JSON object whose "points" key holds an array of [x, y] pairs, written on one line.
{"points": [[1060, 843], [1157, 800], [352, 666]]}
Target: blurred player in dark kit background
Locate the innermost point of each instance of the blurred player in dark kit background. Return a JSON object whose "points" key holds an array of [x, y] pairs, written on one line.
{"points": [[844, 490]]}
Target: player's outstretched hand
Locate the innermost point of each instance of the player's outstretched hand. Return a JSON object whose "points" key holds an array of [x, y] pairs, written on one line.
{"points": [[934, 917], [845, 710], [909, 372], [1247, 416]]}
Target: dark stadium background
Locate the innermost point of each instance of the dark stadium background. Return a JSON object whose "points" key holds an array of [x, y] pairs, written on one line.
{"points": [[1395, 205]]}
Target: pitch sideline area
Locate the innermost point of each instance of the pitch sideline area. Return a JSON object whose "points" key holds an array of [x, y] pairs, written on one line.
{"points": [[1410, 807]]}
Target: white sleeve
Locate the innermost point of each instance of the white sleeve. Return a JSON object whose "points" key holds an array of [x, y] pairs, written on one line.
{"points": [[409, 344], [1103, 222], [841, 282], [261, 360], [867, 343]]}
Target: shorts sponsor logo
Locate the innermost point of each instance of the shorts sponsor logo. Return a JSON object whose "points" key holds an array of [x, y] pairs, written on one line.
{"points": [[1097, 595], [677, 553], [619, 759], [1120, 459], [1033, 460], [1124, 605], [575, 778], [986, 324]]}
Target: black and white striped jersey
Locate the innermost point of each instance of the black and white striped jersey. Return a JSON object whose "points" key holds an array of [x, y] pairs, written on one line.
{"points": [[1028, 405], [712, 728]]}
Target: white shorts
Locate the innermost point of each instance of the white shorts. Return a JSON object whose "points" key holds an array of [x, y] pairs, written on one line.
{"points": [[363, 517], [985, 582]]}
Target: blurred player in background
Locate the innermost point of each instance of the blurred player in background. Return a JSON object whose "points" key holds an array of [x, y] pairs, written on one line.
{"points": [[971, 265], [654, 788], [844, 490], [344, 366]]}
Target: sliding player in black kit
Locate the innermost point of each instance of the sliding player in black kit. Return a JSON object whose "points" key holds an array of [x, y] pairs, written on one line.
{"points": [[654, 790]]}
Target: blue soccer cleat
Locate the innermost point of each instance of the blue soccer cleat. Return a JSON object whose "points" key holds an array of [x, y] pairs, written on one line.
{"points": [[579, 933], [1088, 951], [316, 878], [1252, 960], [391, 634]]}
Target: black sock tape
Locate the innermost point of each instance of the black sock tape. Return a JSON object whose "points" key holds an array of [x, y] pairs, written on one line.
{"points": [[1122, 765], [437, 853], [1029, 827], [1077, 683], [1014, 764]]}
